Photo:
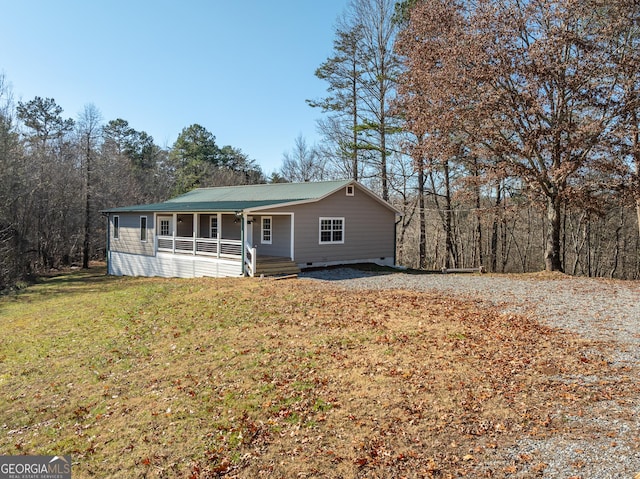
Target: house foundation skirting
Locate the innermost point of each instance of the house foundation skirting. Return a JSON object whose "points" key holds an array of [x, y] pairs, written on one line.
{"points": [[386, 261], [172, 266]]}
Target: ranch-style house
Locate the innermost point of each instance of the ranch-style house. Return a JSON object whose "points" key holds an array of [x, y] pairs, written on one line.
{"points": [[252, 230]]}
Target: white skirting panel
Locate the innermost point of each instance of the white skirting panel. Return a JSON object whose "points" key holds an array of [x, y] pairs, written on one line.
{"points": [[172, 266]]}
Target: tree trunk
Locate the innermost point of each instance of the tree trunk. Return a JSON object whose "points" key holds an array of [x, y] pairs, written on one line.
{"points": [[87, 235], [383, 158], [354, 120], [494, 230], [504, 244], [616, 249], [87, 208], [480, 256], [552, 258], [636, 161], [638, 213], [563, 255], [423, 228], [451, 256], [588, 239]]}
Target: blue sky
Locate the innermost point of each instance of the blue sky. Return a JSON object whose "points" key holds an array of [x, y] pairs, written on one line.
{"points": [[240, 69]]}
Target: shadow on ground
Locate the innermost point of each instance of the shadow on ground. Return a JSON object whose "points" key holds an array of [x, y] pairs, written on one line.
{"points": [[356, 271]]}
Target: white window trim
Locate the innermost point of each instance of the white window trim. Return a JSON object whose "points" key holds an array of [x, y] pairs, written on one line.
{"points": [[262, 230], [332, 219], [211, 218], [350, 190], [116, 228], [146, 229]]}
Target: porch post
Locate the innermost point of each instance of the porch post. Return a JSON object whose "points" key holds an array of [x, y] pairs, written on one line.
{"points": [[293, 239], [174, 227], [108, 252], [156, 232], [196, 220], [242, 246], [219, 238]]}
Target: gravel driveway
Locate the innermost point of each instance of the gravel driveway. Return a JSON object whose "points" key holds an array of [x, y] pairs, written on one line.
{"points": [[597, 309]]}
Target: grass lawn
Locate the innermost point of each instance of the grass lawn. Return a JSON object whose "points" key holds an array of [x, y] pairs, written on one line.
{"points": [[146, 377]]}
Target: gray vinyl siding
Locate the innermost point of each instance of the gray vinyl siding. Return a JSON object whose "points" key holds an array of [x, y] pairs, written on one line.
{"points": [[129, 237], [368, 229], [205, 226], [184, 227], [231, 228], [280, 236], [228, 227]]}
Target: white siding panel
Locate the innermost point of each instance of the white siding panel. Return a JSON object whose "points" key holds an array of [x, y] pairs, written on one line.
{"points": [[171, 266], [181, 267]]}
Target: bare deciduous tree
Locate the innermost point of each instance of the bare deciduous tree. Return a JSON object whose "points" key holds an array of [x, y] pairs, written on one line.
{"points": [[89, 130], [529, 83], [302, 163]]}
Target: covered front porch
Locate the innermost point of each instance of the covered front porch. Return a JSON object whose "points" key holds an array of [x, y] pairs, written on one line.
{"points": [[227, 237]]}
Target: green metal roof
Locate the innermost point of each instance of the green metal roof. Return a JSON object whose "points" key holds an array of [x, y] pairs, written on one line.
{"points": [[239, 198], [200, 206], [274, 191]]}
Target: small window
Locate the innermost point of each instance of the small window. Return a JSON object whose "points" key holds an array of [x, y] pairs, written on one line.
{"points": [[213, 227], [143, 228], [331, 230], [350, 190], [116, 227], [266, 230], [165, 227]]}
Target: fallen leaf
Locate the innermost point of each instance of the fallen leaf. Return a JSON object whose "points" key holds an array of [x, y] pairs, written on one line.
{"points": [[539, 467], [526, 457]]}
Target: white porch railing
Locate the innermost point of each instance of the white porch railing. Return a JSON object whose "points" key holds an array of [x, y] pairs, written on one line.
{"points": [[250, 258], [220, 248]]}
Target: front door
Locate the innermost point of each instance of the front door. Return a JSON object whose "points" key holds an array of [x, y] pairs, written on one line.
{"points": [[164, 226]]}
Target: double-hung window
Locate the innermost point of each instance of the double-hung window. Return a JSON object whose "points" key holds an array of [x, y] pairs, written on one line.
{"points": [[116, 227], [143, 228], [331, 230], [266, 234], [213, 226]]}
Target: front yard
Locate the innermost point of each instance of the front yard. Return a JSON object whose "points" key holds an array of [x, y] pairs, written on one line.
{"points": [[141, 377]]}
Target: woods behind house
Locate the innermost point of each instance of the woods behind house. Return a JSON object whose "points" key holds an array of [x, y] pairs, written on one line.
{"points": [[506, 132]]}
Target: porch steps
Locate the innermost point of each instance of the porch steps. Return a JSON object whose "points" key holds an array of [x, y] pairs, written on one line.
{"points": [[274, 265]]}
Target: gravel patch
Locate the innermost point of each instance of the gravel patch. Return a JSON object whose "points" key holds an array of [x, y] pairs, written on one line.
{"points": [[597, 309]]}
